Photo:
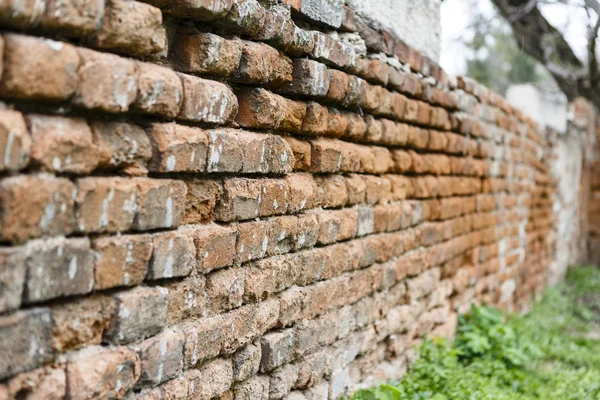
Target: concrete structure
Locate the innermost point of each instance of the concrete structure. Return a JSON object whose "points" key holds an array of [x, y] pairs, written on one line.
{"points": [[547, 109], [415, 21]]}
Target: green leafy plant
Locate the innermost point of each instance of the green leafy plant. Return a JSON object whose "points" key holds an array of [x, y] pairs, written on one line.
{"points": [[551, 353]]}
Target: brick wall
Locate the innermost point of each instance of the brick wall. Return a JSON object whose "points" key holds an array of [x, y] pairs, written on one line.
{"points": [[222, 199]]}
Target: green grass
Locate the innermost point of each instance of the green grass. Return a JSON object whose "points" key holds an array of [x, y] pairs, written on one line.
{"points": [[551, 353]]}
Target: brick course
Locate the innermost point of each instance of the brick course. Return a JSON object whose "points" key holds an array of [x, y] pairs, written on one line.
{"points": [[217, 199]]}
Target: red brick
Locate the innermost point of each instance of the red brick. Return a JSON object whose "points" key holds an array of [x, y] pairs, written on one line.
{"points": [[356, 188], [335, 193], [337, 123], [79, 323], [177, 148], [246, 362], [424, 114], [274, 197], [161, 358], [21, 15], [259, 108], [23, 355], [333, 51], [302, 153], [211, 379], [102, 372], [338, 84], [316, 120], [207, 101], [281, 382], [62, 144], [240, 200], [36, 205], [198, 335], [58, 267], [132, 28], [12, 277], [117, 75], [224, 290], [350, 157], [106, 204], [326, 155], [276, 349], [417, 138], [309, 78], [240, 151], [122, 146], [15, 142], [304, 193], [278, 29], [262, 64], [246, 17], [204, 10], [204, 53], [266, 277], [355, 93], [201, 200], [402, 161], [383, 160], [214, 246], [378, 72], [301, 44], [173, 255], [121, 261], [379, 189], [357, 127], [338, 225], [68, 19], [160, 91], [43, 383], [374, 133], [253, 241], [140, 313], [373, 97], [186, 299], [38, 70], [161, 203], [282, 233]]}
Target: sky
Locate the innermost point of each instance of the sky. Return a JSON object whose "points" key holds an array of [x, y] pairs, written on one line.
{"points": [[456, 16]]}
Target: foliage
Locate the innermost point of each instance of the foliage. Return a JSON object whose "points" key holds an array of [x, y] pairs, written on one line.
{"points": [[551, 353], [497, 61]]}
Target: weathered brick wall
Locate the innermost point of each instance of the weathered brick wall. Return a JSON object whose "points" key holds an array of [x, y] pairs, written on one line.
{"points": [[220, 199]]}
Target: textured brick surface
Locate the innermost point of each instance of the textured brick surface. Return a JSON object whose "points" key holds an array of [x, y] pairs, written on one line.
{"points": [[219, 199]]}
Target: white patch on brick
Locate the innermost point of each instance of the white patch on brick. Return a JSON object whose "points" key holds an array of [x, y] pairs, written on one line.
{"points": [[130, 205], [171, 163], [301, 240], [195, 347], [33, 346], [7, 150], [155, 92], [53, 44], [161, 365], [105, 205], [169, 212], [303, 203], [48, 217], [73, 268], [215, 153]]}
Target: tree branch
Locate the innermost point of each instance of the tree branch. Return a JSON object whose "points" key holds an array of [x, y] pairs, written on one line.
{"points": [[546, 44]]}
